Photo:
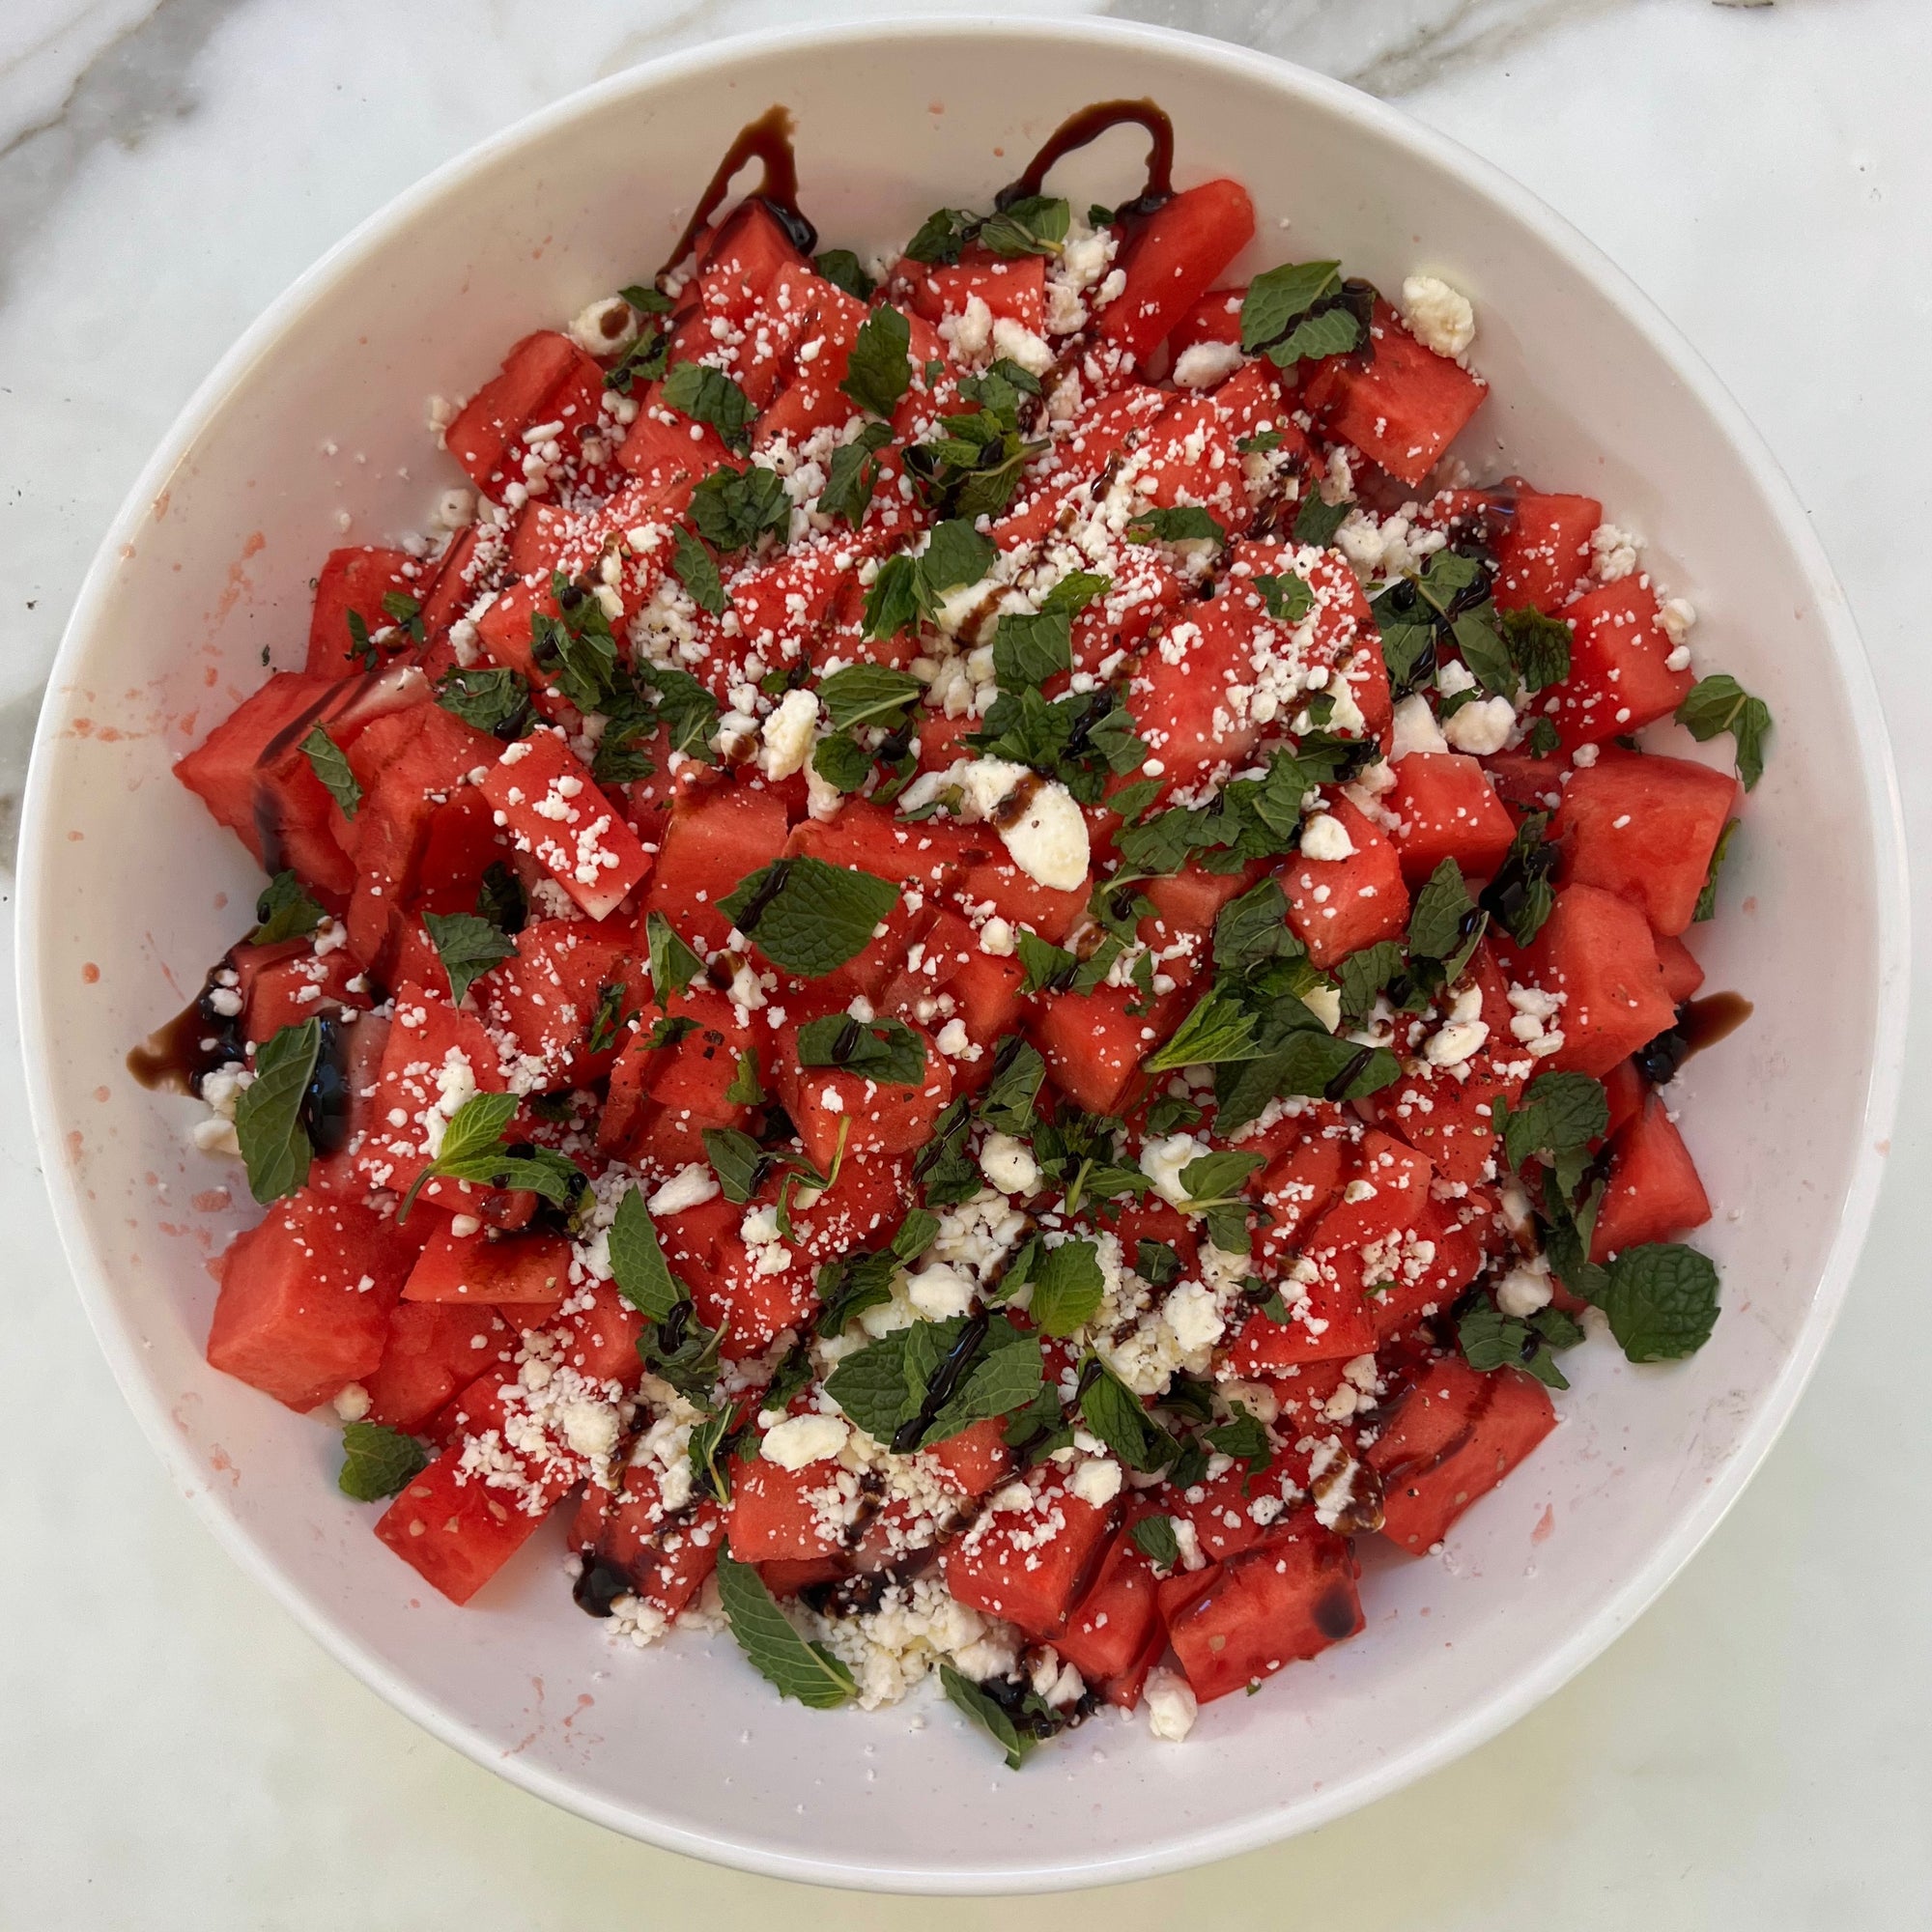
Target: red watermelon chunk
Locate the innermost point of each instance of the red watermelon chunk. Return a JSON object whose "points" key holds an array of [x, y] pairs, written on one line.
{"points": [[557, 812], [1284, 1599], [1595, 950], [1653, 1192], [1644, 827], [1620, 676], [305, 1298], [1449, 1440]]}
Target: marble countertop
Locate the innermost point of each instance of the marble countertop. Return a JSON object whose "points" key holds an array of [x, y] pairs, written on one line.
{"points": [[1757, 1751]]}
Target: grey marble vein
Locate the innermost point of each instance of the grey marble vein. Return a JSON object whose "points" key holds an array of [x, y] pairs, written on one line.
{"points": [[1387, 47], [139, 79]]}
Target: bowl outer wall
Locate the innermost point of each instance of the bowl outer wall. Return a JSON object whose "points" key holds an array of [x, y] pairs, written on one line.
{"points": [[1594, 390]]}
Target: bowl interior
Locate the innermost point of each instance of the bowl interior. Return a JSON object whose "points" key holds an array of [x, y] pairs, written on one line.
{"points": [[316, 427]]}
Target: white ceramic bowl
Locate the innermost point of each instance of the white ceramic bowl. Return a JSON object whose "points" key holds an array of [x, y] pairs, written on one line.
{"points": [[129, 892]]}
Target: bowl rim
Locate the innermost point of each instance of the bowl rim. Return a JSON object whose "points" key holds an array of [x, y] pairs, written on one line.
{"points": [[1510, 1702]]}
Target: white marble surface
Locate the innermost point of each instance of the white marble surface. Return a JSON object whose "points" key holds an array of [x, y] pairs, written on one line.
{"points": [[1755, 1753]]}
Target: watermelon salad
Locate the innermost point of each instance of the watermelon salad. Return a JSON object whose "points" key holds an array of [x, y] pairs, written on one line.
{"points": [[978, 966]]}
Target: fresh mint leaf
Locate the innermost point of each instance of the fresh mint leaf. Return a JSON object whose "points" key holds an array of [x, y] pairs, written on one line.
{"points": [[378, 1461], [1538, 647], [1013, 1093], [361, 645], [842, 269], [1520, 896], [853, 474], [1048, 967], [1557, 1114], [843, 763], [284, 911], [468, 946], [1253, 928], [879, 371], [734, 508], [1707, 897], [1029, 649], [1287, 599], [806, 1671], [1318, 520], [747, 1089], [1075, 591], [488, 699], [1278, 298], [1035, 225], [712, 1444], [473, 1150], [607, 1018], [673, 964], [268, 1124], [808, 916], [1436, 922], [1662, 1301], [708, 395], [739, 1162], [867, 693], [1333, 332], [892, 601], [1154, 1538], [989, 1714], [1720, 704], [885, 1050], [956, 554], [326, 761], [637, 1263], [1242, 1438], [575, 650], [695, 567], [1485, 654], [1181, 523], [941, 237], [1067, 1287], [405, 612], [1363, 973], [1491, 1340], [1113, 1413], [1218, 1028]]}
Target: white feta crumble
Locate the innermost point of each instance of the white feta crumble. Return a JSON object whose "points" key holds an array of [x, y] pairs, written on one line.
{"points": [[1415, 728], [1205, 363], [1171, 1706], [691, 1186], [1164, 1161], [1613, 553], [1008, 1164], [803, 1440], [1326, 838], [1440, 318], [1481, 728], [788, 734]]}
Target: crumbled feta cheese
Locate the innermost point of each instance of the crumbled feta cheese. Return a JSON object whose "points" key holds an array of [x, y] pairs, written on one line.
{"points": [[1097, 1481], [1171, 1706], [1164, 1161], [1613, 553], [1481, 728], [940, 1291], [1325, 836], [801, 1440], [1415, 729], [691, 1186], [788, 734], [1203, 365], [1439, 317], [604, 327], [1525, 1289], [1008, 1164]]}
